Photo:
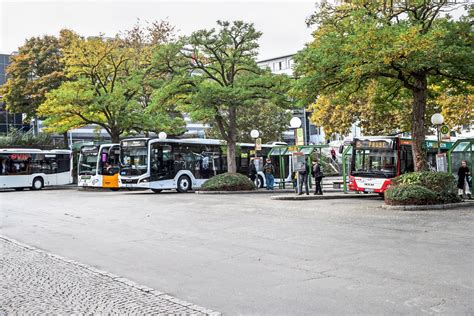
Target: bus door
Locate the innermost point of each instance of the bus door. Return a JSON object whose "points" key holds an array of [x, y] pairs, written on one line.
{"points": [[111, 166]]}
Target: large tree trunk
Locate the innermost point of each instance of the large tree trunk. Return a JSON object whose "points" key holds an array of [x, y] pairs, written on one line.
{"points": [[231, 141], [115, 136], [65, 140], [418, 122]]}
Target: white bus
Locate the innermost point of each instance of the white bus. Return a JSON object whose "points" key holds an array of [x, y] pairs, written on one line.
{"points": [[181, 164], [22, 168], [98, 166]]}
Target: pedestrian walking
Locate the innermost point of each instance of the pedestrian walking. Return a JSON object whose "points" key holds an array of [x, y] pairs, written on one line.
{"points": [[318, 177], [464, 180], [269, 171], [303, 177], [252, 171]]}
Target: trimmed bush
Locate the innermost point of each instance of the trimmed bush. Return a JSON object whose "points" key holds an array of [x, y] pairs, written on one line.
{"points": [[228, 182], [410, 194], [441, 183]]}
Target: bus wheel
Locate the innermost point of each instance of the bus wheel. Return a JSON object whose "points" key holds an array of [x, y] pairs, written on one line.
{"points": [[156, 190], [37, 183], [184, 184]]}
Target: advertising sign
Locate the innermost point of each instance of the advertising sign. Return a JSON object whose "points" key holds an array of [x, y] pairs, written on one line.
{"points": [[441, 163], [299, 137], [299, 160], [258, 144], [258, 163]]}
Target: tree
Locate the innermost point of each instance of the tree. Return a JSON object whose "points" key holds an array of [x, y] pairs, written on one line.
{"points": [[404, 46], [109, 86], [33, 71], [216, 79]]}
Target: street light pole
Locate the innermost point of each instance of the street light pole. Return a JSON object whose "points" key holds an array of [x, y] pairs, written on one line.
{"points": [[437, 119]]}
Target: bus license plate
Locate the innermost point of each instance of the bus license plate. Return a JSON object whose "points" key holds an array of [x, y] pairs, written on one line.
{"points": [[369, 190]]}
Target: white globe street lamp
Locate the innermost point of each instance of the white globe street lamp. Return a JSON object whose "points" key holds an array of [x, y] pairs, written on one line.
{"points": [[162, 135], [254, 133], [437, 119], [295, 122]]}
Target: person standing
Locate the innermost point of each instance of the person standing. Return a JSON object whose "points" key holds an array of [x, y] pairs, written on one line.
{"points": [[318, 177], [463, 180], [303, 177], [269, 171], [252, 171], [333, 155]]}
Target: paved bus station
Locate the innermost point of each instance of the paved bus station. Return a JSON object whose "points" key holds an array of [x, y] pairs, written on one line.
{"points": [[137, 252]]}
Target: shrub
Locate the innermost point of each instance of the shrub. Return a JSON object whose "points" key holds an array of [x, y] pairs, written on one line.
{"points": [[410, 194], [228, 182], [441, 183]]}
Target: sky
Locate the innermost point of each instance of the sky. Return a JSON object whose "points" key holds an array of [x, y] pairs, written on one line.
{"points": [[282, 22]]}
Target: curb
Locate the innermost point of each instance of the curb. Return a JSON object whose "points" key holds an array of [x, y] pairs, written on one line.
{"points": [[434, 207], [324, 197], [260, 191], [116, 278]]}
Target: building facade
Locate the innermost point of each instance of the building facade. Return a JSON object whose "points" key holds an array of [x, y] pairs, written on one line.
{"points": [[312, 134]]}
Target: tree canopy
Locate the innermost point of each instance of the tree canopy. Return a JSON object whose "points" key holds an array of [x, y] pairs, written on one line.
{"points": [[370, 59], [215, 79], [110, 85], [36, 69]]}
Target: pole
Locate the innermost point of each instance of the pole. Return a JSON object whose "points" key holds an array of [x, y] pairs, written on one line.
{"points": [[439, 139]]}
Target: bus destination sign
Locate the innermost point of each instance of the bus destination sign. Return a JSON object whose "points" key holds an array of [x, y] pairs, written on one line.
{"points": [[375, 144], [134, 143]]}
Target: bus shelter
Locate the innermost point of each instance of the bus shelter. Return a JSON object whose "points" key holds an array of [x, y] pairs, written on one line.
{"points": [[281, 156], [462, 149]]}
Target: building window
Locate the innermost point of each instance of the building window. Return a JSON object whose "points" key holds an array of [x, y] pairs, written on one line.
{"points": [[280, 65]]}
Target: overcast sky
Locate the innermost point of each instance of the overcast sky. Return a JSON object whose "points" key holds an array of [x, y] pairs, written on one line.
{"points": [[282, 22]]}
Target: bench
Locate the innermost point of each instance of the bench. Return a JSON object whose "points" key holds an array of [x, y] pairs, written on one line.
{"points": [[337, 184]]}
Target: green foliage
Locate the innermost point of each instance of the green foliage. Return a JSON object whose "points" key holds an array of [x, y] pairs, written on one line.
{"points": [[371, 61], [215, 78], [111, 84], [16, 139], [33, 71], [228, 182], [441, 184], [410, 195]]}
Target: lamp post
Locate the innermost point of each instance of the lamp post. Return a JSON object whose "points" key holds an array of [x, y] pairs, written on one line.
{"points": [[437, 119], [162, 135], [295, 123], [254, 134]]}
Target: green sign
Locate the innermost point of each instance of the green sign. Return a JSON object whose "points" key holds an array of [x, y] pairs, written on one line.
{"points": [[444, 129]]}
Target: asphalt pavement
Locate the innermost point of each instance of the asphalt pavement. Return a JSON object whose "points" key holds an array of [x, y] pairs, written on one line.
{"points": [[248, 254]]}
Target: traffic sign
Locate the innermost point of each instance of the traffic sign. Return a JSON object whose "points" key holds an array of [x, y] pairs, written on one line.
{"points": [[444, 129]]}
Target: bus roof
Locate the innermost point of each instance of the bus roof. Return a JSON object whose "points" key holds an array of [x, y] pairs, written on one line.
{"points": [[33, 151], [202, 141]]}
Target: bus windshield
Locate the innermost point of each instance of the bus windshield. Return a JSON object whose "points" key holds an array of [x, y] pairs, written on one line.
{"points": [[88, 163], [134, 160], [378, 163]]}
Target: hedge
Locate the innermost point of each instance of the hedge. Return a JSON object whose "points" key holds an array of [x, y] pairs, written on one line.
{"points": [[228, 182], [410, 194], [421, 188]]}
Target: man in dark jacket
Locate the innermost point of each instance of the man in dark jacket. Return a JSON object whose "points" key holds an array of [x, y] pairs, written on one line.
{"points": [[252, 171], [269, 172], [303, 177], [318, 177], [463, 180]]}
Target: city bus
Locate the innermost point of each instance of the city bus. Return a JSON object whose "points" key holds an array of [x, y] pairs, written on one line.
{"points": [[98, 166], [376, 160], [181, 164], [22, 168]]}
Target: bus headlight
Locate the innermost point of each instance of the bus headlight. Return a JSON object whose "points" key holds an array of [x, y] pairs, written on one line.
{"points": [[145, 180], [95, 181]]}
